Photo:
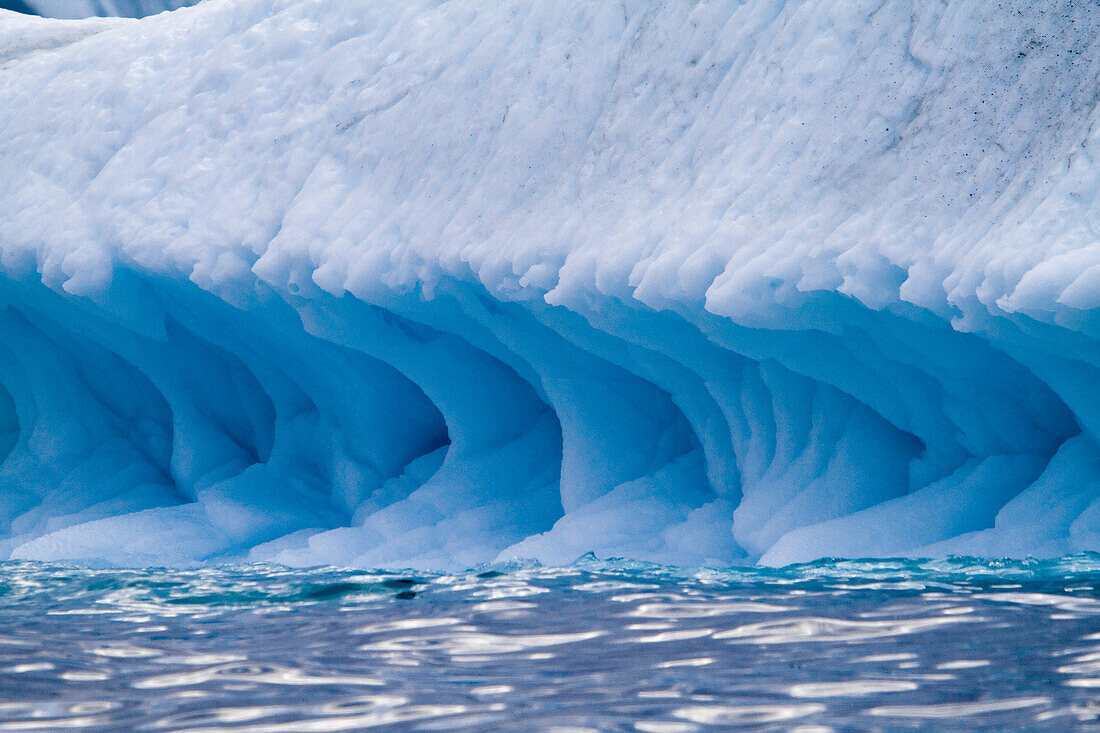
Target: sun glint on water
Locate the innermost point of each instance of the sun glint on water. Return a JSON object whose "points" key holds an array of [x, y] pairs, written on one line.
{"points": [[954, 644]]}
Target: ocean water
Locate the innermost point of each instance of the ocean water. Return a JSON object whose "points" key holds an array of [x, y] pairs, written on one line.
{"points": [[600, 645]]}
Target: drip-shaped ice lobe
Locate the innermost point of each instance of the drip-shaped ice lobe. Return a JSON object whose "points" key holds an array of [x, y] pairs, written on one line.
{"points": [[437, 284]]}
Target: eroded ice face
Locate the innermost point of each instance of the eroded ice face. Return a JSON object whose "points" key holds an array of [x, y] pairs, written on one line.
{"points": [[381, 283]]}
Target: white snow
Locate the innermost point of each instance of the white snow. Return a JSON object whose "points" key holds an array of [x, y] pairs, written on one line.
{"points": [[407, 283]]}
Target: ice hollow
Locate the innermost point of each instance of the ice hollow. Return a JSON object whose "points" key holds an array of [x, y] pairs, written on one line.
{"points": [[408, 283]]}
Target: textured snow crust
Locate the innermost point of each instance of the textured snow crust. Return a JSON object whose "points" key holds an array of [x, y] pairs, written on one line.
{"points": [[419, 283]]}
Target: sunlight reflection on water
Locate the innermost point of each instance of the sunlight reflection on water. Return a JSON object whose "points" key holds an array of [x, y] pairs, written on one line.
{"points": [[954, 644]]}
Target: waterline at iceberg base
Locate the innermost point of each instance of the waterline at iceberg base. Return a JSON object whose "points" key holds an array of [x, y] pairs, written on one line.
{"points": [[388, 284]]}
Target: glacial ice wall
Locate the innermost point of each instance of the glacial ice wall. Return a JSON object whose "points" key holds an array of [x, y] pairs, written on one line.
{"points": [[409, 282], [90, 8]]}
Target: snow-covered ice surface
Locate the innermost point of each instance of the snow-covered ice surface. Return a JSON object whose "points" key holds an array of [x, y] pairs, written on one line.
{"points": [[415, 283]]}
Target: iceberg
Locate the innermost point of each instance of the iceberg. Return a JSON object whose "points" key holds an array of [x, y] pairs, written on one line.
{"points": [[408, 283]]}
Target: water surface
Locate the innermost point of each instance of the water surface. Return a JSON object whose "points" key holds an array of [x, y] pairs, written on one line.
{"points": [[953, 644]]}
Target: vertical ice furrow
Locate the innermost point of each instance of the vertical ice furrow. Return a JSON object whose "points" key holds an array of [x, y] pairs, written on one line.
{"points": [[347, 447], [1048, 518], [9, 423], [981, 414], [803, 452], [847, 362], [1067, 362], [499, 478], [617, 426], [815, 474], [244, 491], [643, 440], [92, 429], [820, 468], [965, 501], [616, 429], [864, 357], [656, 353]]}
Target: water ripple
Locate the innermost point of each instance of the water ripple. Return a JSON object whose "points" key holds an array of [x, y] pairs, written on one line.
{"points": [[954, 645]]}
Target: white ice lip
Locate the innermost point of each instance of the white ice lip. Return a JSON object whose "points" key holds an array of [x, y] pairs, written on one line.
{"points": [[405, 284]]}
